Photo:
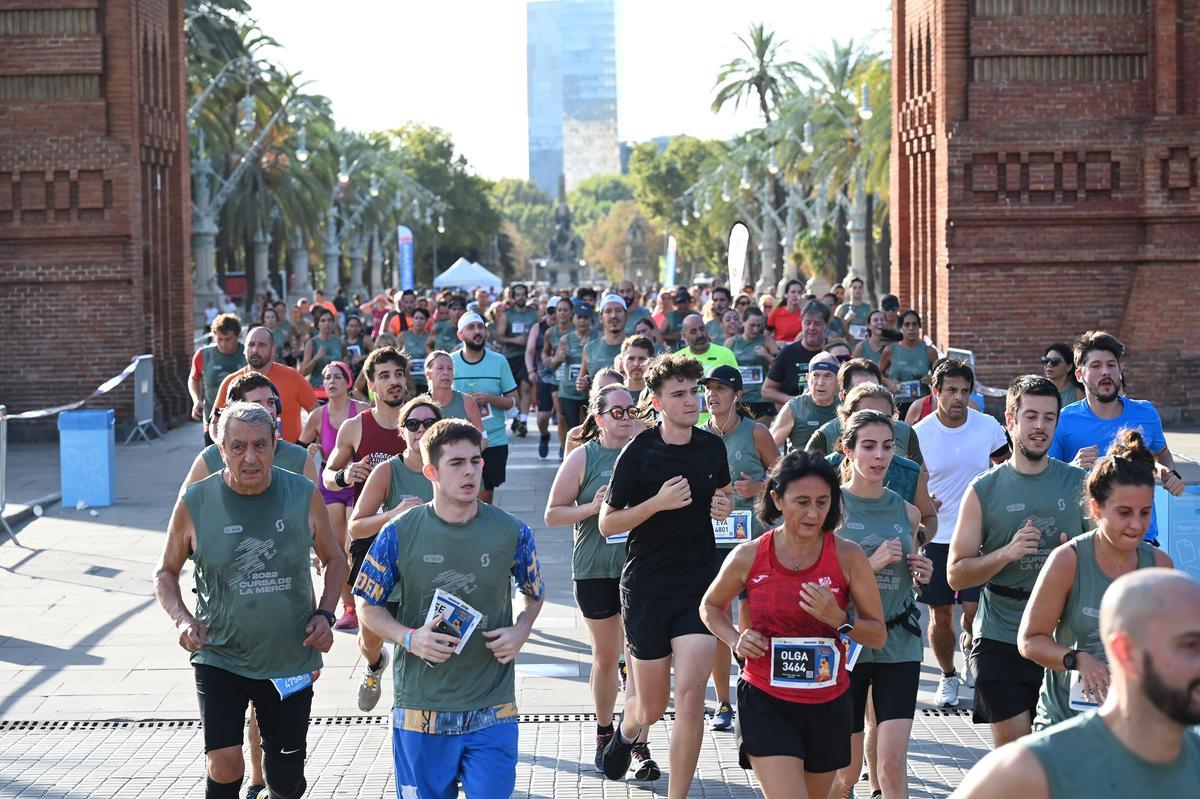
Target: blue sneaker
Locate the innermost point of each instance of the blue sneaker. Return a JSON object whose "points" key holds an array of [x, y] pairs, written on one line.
{"points": [[544, 446], [723, 720]]}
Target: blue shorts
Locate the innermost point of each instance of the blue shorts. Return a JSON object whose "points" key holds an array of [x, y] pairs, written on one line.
{"points": [[484, 761]]}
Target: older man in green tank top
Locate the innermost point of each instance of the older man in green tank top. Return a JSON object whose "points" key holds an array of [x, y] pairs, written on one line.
{"points": [[1143, 741], [1011, 517], [257, 633], [800, 417]]}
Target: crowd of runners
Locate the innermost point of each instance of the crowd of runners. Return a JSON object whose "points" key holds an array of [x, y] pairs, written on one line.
{"points": [[786, 481]]}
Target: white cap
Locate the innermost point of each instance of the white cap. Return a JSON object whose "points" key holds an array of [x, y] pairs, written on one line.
{"points": [[552, 302], [613, 298], [469, 319]]}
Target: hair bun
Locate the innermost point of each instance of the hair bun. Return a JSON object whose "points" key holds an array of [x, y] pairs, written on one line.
{"points": [[1130, 445]]}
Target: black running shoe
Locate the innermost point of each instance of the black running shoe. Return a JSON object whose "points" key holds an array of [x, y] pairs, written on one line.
{"points": [[647, 769], [252, 791], [601, 743], [616, 756], [544, 446], [522, 429]]}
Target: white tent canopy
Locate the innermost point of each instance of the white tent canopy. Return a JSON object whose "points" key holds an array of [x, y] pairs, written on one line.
{"points": [[466, 275]]}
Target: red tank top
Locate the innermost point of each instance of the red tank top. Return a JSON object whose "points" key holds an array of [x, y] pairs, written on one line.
{"points": [[926, 406], [806, 662], [378, 442]]}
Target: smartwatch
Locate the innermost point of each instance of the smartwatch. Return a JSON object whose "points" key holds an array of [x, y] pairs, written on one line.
{"points": [[326, 615], [846, 627], [1070, 660]]}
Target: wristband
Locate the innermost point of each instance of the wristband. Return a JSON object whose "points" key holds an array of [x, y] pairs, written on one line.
{"points": [[408, 640], [340, 478]]}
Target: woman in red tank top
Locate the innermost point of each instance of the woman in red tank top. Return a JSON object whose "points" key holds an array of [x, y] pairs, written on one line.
{"points": [[794, 711]]}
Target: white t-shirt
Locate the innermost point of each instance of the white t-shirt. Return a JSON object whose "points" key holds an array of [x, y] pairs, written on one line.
{"points": [[954, 457]]}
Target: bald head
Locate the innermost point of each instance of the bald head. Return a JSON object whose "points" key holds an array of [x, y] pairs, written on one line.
{"points": [[694, 333], [260, 347], [1135, 601]]}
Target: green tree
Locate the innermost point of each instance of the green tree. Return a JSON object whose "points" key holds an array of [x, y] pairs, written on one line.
{"points": [[593, 198], [761, 75], [530, 213]]}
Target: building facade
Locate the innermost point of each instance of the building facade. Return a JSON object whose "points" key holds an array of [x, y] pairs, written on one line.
{"points": [[94, 219], [1045, 180]]}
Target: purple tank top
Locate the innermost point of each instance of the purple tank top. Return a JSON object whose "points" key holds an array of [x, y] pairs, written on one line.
{"points": [[328, 433]]}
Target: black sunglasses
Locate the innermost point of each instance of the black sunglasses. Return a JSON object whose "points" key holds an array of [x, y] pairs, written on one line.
{"points": [[413, 425], [1052, 361], [619, 413]]}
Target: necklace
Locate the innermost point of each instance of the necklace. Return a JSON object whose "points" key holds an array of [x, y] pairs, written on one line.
{"points": [[1113, 571]]}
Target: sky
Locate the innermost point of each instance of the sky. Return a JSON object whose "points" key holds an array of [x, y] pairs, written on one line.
{"points": [[460, 64]]}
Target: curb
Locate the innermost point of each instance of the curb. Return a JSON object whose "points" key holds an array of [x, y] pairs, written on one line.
{"points": [[18, 512]]}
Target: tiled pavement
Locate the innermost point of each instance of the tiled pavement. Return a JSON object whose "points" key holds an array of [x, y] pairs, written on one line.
{"points": [[83, 643]]}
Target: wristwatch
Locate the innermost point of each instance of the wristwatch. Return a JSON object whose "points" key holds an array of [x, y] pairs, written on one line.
{"points": [[1071, 660], [326, 615], [848, 625]]}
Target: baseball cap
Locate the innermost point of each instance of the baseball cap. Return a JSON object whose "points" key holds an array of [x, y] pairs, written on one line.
{"points": [[682, 296], [611, 299], [583, 309], [552, 302], [726, 376], [889, 303], [471, 318]]}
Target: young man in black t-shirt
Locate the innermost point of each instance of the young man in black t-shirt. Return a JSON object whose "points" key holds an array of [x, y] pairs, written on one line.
{"points": [[668, 484]]}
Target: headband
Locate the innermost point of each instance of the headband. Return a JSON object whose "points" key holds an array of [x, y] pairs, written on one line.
{"points": [[345, 370], [825, 366]]}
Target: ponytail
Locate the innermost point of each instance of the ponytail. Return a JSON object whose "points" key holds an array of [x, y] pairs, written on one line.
{"points": [[1129, 462]]}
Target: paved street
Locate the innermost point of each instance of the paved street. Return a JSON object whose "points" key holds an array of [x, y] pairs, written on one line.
{"points": [[96, 698]]}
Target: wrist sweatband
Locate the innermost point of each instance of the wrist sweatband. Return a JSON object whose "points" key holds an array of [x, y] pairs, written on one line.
{"points": [[340, 478], [408, 641]]}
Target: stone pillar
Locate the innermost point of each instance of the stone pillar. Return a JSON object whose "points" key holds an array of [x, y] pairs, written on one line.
{"points": [[205, 288], [358, 248], [298, 259], [259, 260], [376, 277], [333, 255]]}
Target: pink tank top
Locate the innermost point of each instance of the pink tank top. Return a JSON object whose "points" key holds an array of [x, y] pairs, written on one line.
{"points": [[328, 433], [806, 661]]}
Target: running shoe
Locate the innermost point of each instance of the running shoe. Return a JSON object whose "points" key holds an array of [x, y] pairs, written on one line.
{"points": [[723, 719], [348, 621], [522, 429], [513, 426], [617, 754], [622, 672], [544, 445], [370, 688], [252, 791], [601, 744], [947, 692], [647, 769]]}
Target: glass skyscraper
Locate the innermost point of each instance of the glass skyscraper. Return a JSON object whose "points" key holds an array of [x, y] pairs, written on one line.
{"points": [[572, 82]]}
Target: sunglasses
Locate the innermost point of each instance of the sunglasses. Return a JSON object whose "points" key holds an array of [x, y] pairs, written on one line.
{"points": [[619, 413], [842, 358], [413, 425], [1052, 361]]}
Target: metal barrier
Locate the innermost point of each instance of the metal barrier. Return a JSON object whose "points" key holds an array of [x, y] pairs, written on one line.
{"points": [[4, 472], [143, 398]]}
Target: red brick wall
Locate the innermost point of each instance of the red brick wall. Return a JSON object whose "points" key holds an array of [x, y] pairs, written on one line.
{"points": [[1046, 181], [94, 211]]}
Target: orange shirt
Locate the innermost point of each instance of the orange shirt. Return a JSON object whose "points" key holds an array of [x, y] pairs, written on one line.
{"points": [[295, 393], [785, 323]]}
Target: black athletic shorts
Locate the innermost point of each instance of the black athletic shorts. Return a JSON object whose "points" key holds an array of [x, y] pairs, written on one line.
{"points": [[651, 622], [517, 364], [761, 409], [1006, 684], [571, 412], [817, 734], [223, 699], [495, 466], [545, 395], [598, 598], [939, 592], [893, 689]]}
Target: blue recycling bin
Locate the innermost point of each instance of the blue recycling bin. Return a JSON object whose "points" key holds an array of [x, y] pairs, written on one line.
{"points": [[88, 457]]}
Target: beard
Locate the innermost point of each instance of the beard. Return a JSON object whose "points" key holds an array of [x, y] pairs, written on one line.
{"points": [[1175, 704], [474, 346], [1031, 454], [394, 403], [256, 361], [1109, 395]]}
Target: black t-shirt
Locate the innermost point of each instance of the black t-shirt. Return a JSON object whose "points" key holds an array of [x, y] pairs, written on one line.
{"points": [[671, 553], [790, 368]]}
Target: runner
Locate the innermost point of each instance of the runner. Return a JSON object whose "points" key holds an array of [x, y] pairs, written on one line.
{"points": [[602, 351], [320, 436], [484, 377], [1060, 628], [855, 312], [672, 327], [636, 351], [321, 349], [852, 373], [754, 350], [794, 709], [416, 347], [541, 376], [517, 321], [1138, 743], [749, 452], [294, 391], [605, 377], [789, 370], [454, 715], [709, 355], [787, 321], [634, 310], [567, 361], [445, 332], [262, 644], [1058, 365], [363, 442], [802, 415], [888, 530], [575, 499], [721, 298], [211, 364], [731, 327], [439, 369], [873, 345], [908, 364], [959, 444], [666, 486], [563, 317]]}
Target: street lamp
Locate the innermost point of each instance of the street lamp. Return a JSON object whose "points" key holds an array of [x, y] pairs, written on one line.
{"points": [[725, 195], [343, 173], [374, 190], [696, 207], [864, 105], [807, 145], [745, 184], [441, 228], [301, 146], [772, 164], [683, 219], [246, 123]]}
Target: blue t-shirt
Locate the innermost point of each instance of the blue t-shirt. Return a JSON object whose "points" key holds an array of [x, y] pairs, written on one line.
{"points": [[1078, 427], [491, 375]]}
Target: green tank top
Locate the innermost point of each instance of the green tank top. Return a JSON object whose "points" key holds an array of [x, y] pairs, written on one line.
{"points": [[633, 317], [1070, 394], [601, 354], [752, 366], [742, 455], [1067, 750], [254, 589], [288, 456], [870, 353], [473, 561], [716, 333], [414, 345], [405, 483], [445, 336], [333, 352], [573, 364], [904, 441], [807, 416], [1007, 499], [215, 367], [868, 523], [909, 364], [456, 408], [592, 557], [1079, 627], [518, 323]]}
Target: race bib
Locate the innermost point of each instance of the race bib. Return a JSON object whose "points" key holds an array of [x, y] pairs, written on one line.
{"points": [[732, 530], [619, 538], [853, 650], [518, 328], [286, 686], [858, 331], [751, 374], [1081, 700], [910, 388], [485, 412], [804, 663], [416, 368], [354, 350], [460, 618], [573, 372], [560, 374]]}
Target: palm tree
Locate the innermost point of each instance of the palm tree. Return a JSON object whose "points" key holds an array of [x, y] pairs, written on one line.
{"points": [[761, 75]]}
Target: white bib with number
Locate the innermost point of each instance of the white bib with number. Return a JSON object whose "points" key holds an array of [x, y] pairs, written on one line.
{"points": [[804, 663], [416, 368], [858, 331], [573, 372], [910, 388], [1081, 700], [751, 374], [560, 374], [732, 530], [518, 328], [619, 538]]}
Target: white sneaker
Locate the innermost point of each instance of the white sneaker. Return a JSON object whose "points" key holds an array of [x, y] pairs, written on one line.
{"points": [[370, 688], [947, 692]]}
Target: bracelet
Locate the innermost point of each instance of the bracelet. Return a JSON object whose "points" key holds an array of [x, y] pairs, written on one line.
{"points": [[408, 641], [340, 478]]}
